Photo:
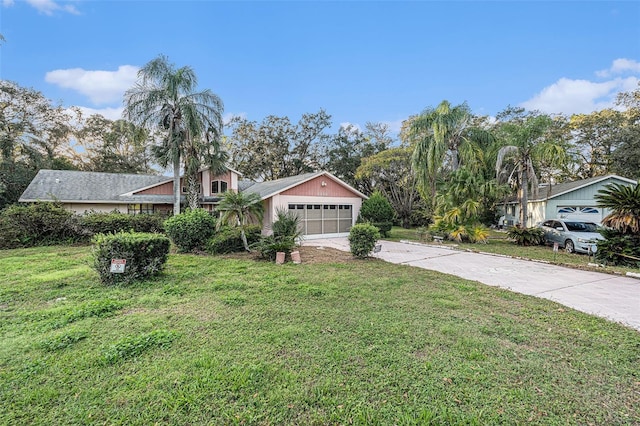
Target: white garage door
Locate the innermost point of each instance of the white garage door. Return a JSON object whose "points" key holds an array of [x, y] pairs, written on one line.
{"points": [[585, 213], [318, 219]]}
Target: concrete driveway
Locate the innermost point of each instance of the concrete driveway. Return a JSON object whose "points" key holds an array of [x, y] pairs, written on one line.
{"points": [[610, 296]]}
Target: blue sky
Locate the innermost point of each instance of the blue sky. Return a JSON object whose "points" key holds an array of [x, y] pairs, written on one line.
{"points": [[359, 60]]}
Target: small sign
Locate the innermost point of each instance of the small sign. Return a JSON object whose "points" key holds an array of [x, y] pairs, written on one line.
{"points": [[555, 247], [117, 266]]}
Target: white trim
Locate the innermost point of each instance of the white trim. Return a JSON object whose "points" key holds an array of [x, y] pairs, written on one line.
{"points": [[631, 181], [131, 193]]}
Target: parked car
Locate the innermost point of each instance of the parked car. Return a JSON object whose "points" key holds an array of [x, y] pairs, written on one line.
{"points": [[572, 235]]}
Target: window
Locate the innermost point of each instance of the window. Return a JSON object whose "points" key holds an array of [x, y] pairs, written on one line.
{"points": [[589, 210], [566, 210], [140, 208], [218, 187], [184, 189]]}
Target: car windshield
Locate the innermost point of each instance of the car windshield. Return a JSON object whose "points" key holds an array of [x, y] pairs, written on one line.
{"points": [[581, 226]]}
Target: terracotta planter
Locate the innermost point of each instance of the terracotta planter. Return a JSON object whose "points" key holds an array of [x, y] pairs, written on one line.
{"points": [[280, 258], [295, 257]]}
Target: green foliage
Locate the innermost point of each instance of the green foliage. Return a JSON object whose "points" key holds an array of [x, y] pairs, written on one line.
{"points": [[37, 224], [619, 249], [133, 346], [190, 230], [465, 233], [62, 340], [526, 236], [624, 200], [104, 223], [362, 239], [229, 240], [286, 232], [378, 211], [146, 255]]}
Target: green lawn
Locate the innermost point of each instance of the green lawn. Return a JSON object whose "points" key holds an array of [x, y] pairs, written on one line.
{"points": [[232, 341], [498, 243]]}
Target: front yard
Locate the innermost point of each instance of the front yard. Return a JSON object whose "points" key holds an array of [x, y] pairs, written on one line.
{"points": [[220, 340]]}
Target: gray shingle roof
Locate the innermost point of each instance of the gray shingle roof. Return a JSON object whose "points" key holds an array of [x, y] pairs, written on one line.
{"points": [[547, 192], [265, 189], [67, 185]]}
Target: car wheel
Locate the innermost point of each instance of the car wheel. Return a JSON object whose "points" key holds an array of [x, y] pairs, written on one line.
{"points": [[569, 247]]}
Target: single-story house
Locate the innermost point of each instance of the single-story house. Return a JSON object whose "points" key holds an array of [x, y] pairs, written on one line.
{"points": [[568, 200], [327, 206]]}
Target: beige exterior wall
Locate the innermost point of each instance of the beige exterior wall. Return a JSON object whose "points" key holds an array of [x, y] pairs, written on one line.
{"points": [[81, 208]]}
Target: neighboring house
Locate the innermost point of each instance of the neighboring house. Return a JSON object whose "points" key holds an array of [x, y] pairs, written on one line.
{"points": [[569, 200], [326, 205]]}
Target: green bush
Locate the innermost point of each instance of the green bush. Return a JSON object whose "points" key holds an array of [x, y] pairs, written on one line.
{"points": [[104, 223], [526, 236], [38, 224], [362, 239], [190, 230], [378, 211], [622, 249], [270, 245], [145, 254], [286, 231], [228, 240]]}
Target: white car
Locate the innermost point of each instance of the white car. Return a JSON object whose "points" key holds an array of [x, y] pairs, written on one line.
{"points": [[572, 235]]}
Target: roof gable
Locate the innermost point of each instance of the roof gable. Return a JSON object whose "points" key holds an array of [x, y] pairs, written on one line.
{"points": [[566, 187], [268, 189]]}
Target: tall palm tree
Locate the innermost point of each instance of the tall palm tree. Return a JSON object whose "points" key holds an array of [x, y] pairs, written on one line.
{"points": [[624, 201], [239, 209], [165, 99], [528, 144], [446, 134]]}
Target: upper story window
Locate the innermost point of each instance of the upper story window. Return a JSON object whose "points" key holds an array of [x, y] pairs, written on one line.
{"points": [[218, 187], [185, 189]]}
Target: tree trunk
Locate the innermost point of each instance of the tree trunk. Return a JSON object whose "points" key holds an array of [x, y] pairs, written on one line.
{"points": [[193, 193], [176, 185], [524, 201], [244, 239]]}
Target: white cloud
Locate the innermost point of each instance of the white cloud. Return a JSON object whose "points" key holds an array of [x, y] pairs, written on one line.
{"points": [[620, 66], [47, 7], [110, 113], [102, 87], [354, 126]]}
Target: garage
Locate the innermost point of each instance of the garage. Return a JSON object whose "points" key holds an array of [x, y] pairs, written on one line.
{"points": [[581, 213], [317, 219]]}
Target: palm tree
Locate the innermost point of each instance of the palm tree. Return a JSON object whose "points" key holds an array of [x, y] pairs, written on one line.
{"points": [[446, 134], [624, 201], [165, 99], [238, 209], [528, 145]]}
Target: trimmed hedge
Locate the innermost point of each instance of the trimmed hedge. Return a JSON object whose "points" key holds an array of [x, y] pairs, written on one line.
{"points": [[103, 223], [145, 254], [362, 239], [228, 240], [190, 230], [38, 224]]}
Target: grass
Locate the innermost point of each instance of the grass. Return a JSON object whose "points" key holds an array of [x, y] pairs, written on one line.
{"points": [[498, 243], [232, 341]]}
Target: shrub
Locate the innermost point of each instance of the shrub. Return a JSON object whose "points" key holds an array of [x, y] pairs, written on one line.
{"points": [[229, 240], [286, 231], [362, 239], [103, 223], [270, 245], [43, 223], [190, 230], [145, 254], [378, 211], [622, 249], [526, 236]]}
